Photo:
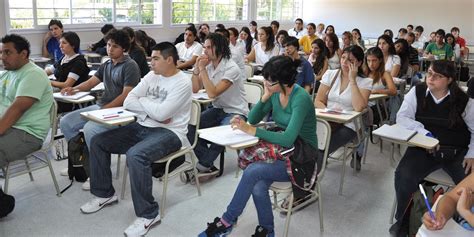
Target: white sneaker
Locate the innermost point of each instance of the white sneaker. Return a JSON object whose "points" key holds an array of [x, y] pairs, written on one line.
{"points": [[64, 172], [86, 186], [141, 226], [96, 204]]}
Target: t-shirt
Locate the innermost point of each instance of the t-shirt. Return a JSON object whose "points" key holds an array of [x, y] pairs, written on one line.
{"points": [[54, 50], [392, 60], [116, 77], [30, 81], [445, 52], [305, 74], [297, 34], [157, 98], [233, 99], [186, 54], [238, 52], [343, 100], [262, 57], [306, 41]]}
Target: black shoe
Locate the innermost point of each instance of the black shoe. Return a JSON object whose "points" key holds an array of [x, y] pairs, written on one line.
{"points": [[260, 231], [216, 229], [398, 230], [7, 204]]}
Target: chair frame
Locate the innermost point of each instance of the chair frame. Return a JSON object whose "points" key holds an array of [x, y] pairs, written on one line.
{"points": [[195, 119], [40, 155], [286, 188]]}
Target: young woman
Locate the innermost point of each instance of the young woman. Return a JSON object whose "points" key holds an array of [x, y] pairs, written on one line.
{"points": [[265, 49], [137, 53], [293, 112], [334, 53], [71, 70], [318, 60], [391, 59], [357, 38], [145, 41], [282, 34], [330, 30], [253, 30], [389, 33], [455, 46], [345, 89], [437, 108], [203, 32], [308, 39], [246, 38], [403, 51], [346, 39]]}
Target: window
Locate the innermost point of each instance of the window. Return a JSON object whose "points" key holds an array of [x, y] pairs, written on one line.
{"points": [[31, 14], [268, 10], [196, 11]]}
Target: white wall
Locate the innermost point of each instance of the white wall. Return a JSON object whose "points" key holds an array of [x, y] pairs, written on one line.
{"points": [[372, 17]]}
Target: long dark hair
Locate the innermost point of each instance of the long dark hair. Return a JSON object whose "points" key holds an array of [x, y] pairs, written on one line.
{"points": [[220, 44], [388, 39], [335, 44], [456, 97], [405, 52], [319, 61], [249, 40], [358, 53], [133, 42], [270, 38], [378, 73]]}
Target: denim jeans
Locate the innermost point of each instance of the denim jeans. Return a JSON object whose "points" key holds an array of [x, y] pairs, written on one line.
{"points": [[73, 122], [256, 181], [142, 146], [415, 165], [207, 152]]}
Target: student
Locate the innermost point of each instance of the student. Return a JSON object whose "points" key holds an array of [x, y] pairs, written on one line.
{"points": [[162, 101], [51, 40], [439, 49], [145, 41], [402, 50], [437, 108], [180, 37], [334, 52], [330, 30], [219, 26], [26, 98], [357, 38], [101, 46], [305, 76], [71, 70], [246, 38], [450, 39], [409, 28], [298, 31], [275, 25], [237, 50], [346, 39], [119, 75], [137, 53], [391, 59], [189, 50], [265, 49], [223, 82], [402, 32], [306, 40], [282, 35], [457, 200], [253, 30], [420, 39], [344, 89], [389, 33], [460, 40], [318, 60], [413, 53], [319, 31], [294, 115], [203, 32]]}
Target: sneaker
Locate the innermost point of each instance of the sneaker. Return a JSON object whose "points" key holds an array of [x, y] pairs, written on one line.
{"points": [[216, 229], [96, 204], [86, 186], [64, 172], [260, 231], [208, 174], [141, 226], [358, 160]]}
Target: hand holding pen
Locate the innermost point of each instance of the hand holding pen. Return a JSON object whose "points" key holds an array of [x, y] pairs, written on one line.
{"points": [[431, 221], [69, 91]]}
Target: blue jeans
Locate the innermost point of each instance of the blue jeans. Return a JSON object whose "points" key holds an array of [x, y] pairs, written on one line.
{"points": [[73, 122], [207, 152], [256, 181], [143, 146]]}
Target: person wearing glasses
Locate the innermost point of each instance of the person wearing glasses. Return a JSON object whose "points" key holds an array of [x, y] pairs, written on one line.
{"points": [[294, 115], [298, 31], [437, 108]]}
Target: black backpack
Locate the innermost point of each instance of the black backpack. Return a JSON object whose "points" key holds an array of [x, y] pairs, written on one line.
{"points": [[78, 159]]}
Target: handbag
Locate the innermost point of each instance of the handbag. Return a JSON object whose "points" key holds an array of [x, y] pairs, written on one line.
{"points": [[303, 152]]}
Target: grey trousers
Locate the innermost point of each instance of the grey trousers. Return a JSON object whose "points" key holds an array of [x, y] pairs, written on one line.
{"points": [[16, 144]]}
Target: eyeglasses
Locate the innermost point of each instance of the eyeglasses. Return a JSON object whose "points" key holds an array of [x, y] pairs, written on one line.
{"points": [[270, 83], [434, 75]]}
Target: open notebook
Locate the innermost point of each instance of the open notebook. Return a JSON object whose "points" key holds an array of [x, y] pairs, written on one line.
{"points": [[76, 96], [225, 135], [394, 132], [111, 114]]}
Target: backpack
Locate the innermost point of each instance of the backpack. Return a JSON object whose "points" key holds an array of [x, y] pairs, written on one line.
{"points": [[78, 160]]}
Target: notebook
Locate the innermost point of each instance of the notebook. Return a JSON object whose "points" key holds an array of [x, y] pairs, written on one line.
{"points": [[225, 135], [76, 96], [394, 132], [110, 114]]}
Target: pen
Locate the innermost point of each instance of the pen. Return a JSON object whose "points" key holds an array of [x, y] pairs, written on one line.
{"points": [[113, 114], [426, 202]]}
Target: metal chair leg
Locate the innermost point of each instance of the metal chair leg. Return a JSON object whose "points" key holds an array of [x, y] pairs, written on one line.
{"points": [[29, 170], [117, 173], [124, 182]]}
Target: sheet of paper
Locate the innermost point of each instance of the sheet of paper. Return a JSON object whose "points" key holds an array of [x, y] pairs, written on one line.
{"points": [[200, 95], [111, 113], [394, 132], [76, 96], [224, 135]]}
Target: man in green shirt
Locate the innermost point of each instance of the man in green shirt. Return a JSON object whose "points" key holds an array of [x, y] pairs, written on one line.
{"points": [[439, 50], [25, 101]]}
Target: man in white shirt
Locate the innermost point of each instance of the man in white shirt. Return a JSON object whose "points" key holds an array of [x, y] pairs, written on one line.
{"points": [[189, 50], [162, 101], [420, 39], [299, 30]]}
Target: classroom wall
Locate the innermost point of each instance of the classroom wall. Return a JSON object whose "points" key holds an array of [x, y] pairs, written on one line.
{"points": [[372, 17]]}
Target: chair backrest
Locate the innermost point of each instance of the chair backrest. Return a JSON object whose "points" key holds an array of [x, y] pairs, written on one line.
{"points": [[323, 132], [195, 119], [248, 71], [253, 92]]}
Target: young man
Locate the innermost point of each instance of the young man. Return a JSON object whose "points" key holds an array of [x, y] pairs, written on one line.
{"points": [[222, 79], [51, 40], [305, 76], [409, 28], [101, 46], [439, 50], [119, 75], [298, 31], [459, 40], [26, 98], [189, 50], [413, 53], [420, 39], [162, 101]]}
